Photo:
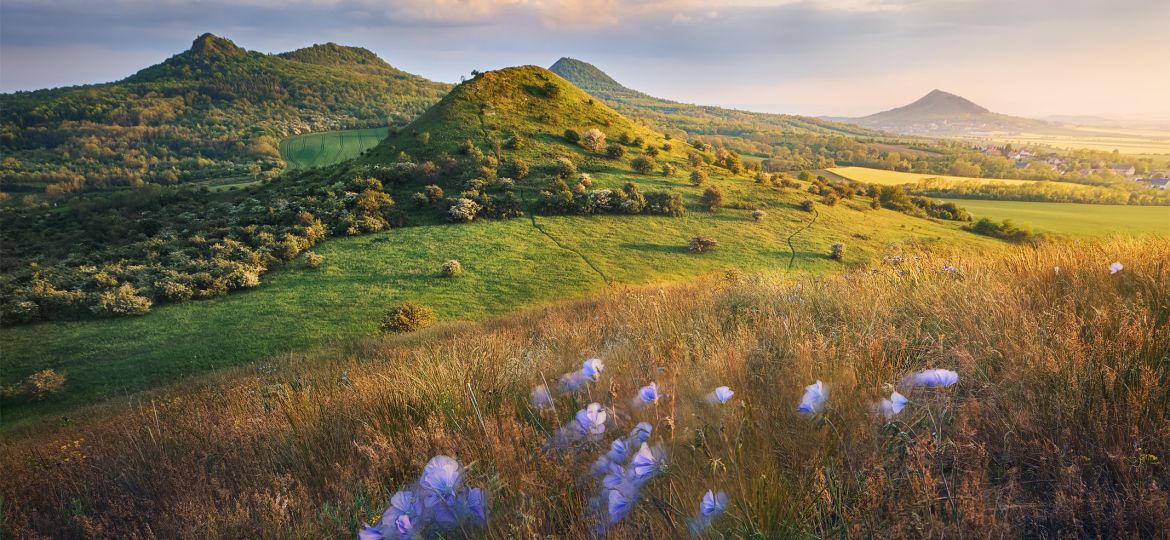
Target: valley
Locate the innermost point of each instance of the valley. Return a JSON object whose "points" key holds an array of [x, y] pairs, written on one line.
{"points": [[309, 294]]}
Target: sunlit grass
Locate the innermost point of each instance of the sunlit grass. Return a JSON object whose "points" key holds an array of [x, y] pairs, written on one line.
{"points": [[1057, 426]]}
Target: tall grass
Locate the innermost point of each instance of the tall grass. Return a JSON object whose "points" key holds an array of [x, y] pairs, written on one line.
{"points": [[1059, 425]]}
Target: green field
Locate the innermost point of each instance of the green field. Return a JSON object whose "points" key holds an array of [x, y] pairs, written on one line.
{"points": [[1072, 218], [320, 149], [895, 178], [509, 264]]}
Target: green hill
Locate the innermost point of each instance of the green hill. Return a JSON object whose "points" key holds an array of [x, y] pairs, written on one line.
{"points": [[528, 104], [696, 119], [604, 225], [214, 111]]}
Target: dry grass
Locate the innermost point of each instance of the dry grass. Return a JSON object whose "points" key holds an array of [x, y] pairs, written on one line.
{"points": [[1058, 427]]}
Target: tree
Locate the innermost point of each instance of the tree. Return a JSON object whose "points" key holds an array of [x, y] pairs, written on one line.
{"points": [[644, 164], [593, 140], [712, 198], [698, 177]]}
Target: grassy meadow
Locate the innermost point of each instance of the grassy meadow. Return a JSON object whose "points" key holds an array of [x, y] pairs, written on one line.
{"points": [[1057, 426], [328, 147], [1074, 219], [509, 264]]}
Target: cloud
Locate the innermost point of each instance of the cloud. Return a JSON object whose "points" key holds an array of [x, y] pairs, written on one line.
{"points": [[813, 55]]}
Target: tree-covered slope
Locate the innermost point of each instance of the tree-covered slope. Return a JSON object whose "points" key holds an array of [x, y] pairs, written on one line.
{"points": [[213, 111], [694, 119]]}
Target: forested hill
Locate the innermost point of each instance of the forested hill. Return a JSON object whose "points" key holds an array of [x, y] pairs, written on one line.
{"points": [[693, 119], [214, 111]]}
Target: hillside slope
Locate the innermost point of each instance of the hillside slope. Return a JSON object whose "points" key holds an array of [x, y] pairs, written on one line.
{"points": [[212, 112], [1060, 404], [695, 119], [533, 236]]}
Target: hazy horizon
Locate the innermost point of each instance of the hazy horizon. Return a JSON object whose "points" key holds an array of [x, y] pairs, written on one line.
{"points": [[812, 57]]}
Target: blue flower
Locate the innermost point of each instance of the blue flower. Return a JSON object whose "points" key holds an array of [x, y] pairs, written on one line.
{"points": [[591, 368], [646, 395], [574, 381], [474, 504], [713, 504], [590, 421], [443, 476], [710, 508], [647, 463], [720, 396], [615, 474], [620, 502], [540, 397], [640, 433], [370, 533], [932, 378], [618, 451], [814, 398], [891, 407]]}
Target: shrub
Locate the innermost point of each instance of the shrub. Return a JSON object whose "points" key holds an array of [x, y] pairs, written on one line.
{"points": [[433, 193], [452, 268], [694, 159], [593, 140], [698, 177], [463, 210], [123, 300], [585, 180], [668, 169], [837, 252], [702, 244], [644, 164], [615, 151], [759, 215], [42, 384], [667, 146], [625, 138], [830, 199], [517, 168], [407, 317], [572, 136], [651, 150], [424, 138], [663, 203], [806, 205], [712, 198], [313, 260], [1005, 230], [564, 167]]}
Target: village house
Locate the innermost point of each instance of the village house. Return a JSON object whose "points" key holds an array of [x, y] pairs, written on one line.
{"points": [[1124, 170]]}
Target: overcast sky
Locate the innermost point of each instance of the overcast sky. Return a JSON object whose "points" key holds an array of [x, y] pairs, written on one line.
{"points": [[820, 57]]}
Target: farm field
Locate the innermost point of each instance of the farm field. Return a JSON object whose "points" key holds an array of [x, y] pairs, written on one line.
{"points": [[509, 264], [1074, 219], [1126, 141], [896, 178], [327, 148]]}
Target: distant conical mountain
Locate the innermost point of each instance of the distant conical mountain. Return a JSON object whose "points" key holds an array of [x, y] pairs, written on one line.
{"points": [[693, 119], [940, 112]]}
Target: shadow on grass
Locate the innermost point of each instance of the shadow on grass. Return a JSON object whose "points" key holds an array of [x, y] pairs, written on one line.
{"points": [[655, 248]]}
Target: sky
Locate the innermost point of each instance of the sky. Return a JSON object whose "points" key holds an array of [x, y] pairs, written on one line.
{"points": [[815, 57]]}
